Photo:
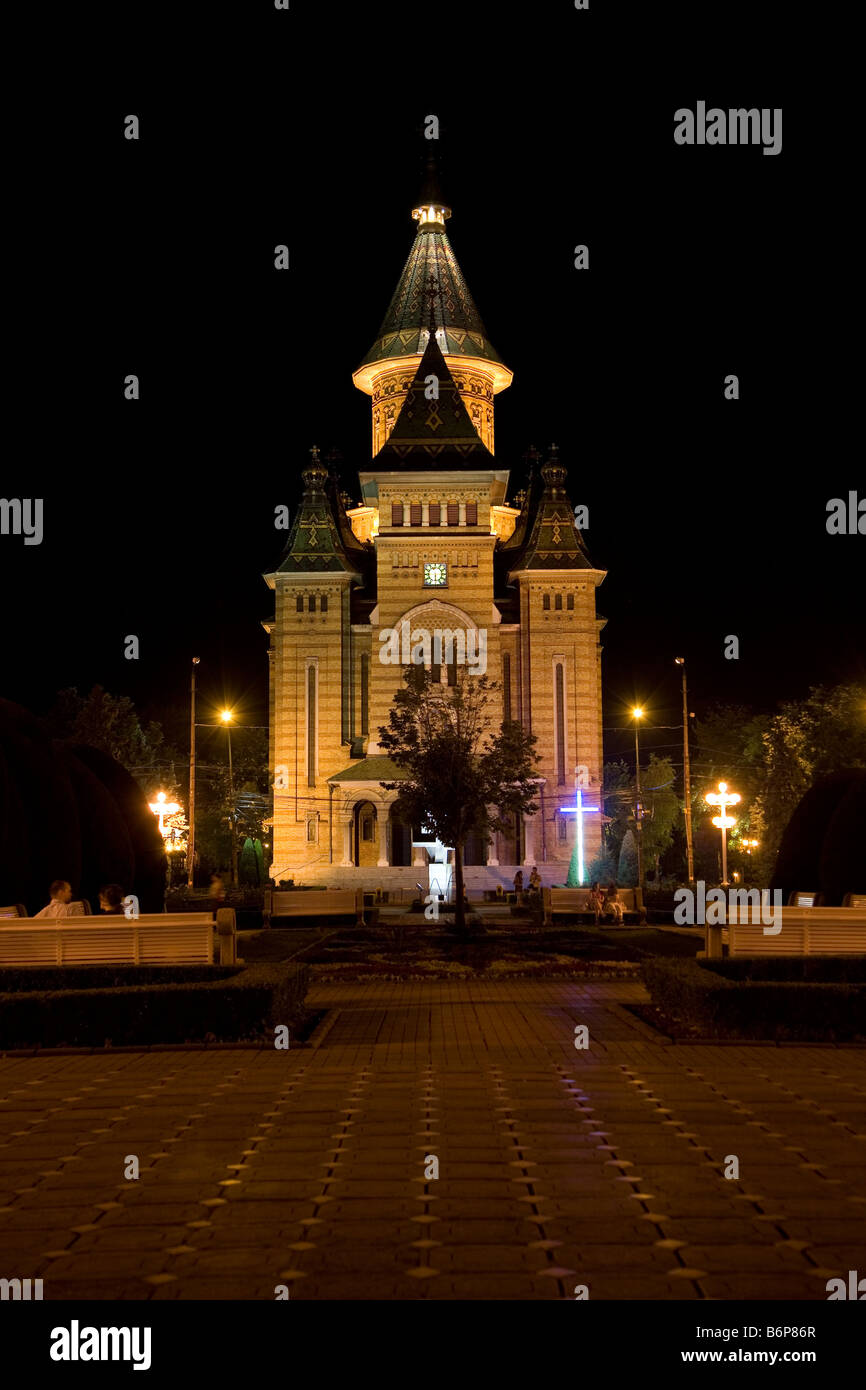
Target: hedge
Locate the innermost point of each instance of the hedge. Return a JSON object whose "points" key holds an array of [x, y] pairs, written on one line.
{"points": [[238, 1005], [15, 979], [798, 1010]]}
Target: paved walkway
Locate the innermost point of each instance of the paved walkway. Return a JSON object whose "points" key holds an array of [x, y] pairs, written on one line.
{"points": [[557, 1167]]}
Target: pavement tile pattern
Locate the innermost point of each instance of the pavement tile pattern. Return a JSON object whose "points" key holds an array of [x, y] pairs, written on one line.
{"points": [[558, 1168]]}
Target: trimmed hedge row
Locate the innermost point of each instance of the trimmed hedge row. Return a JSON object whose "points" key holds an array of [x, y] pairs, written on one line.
{"points": [[17, 978], [783, 1010], [817, 969], [239, 1005]]}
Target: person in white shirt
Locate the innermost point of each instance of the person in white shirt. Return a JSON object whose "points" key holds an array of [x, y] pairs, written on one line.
{"points": [[61, 897]]}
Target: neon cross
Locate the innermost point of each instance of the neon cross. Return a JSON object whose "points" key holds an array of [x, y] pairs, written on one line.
{"points": [[579, 810]]}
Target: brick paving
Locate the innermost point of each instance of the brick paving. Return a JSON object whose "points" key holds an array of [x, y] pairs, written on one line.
{"points": [[558, 1167]]}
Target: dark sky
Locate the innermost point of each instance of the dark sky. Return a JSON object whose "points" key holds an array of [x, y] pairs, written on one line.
{"points": [[709, 515]]}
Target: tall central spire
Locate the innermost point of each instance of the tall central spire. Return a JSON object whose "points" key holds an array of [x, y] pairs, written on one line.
{"points": [[388, 369]]}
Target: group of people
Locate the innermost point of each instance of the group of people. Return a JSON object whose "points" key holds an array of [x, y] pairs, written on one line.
{"points": [[534, 885], [604, 902], [61, 905]]}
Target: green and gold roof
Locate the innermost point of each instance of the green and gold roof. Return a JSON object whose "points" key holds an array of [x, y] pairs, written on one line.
{"points": [[433, 433]]}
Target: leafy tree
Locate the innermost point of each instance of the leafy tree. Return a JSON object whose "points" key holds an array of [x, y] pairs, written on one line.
{"points": [[661, 809], [618, 797], [107, 722], [461, 776], [806, 740], [627, 872], [602, 869]]}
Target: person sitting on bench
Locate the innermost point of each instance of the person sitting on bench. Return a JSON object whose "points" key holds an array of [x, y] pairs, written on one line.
{"points": [[111, 899], [595, 902], [61, 897], [534, 879], [612, 905]]}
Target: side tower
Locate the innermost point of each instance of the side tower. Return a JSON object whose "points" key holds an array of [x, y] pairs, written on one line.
{"points": [[550, 637]]}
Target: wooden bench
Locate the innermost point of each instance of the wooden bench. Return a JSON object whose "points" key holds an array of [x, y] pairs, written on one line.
{"points": [[575, 901], [328, 902], [158, 938], [806, 931], [16, 910]]}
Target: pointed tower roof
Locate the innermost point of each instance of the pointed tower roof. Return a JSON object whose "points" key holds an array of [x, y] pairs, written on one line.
{"points": [[550, 540], [460, 328], [433, 433], [315, 543]]}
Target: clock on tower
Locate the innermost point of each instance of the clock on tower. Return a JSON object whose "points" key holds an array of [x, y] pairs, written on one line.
{"points": [[435, 575]]}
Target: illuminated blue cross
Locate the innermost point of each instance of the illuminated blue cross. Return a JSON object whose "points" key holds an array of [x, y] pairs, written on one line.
{"points": [[579, 810]]}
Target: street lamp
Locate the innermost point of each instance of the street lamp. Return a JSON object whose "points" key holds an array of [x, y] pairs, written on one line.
{"points": [[190, 853], [637, 714], [227, 716], [723, 798], [687, 781]]}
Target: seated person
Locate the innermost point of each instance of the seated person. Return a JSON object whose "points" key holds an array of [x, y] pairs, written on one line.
{"points": [[111, 899], [612, 905], [534, 879], [595, 902], [61, 897]]}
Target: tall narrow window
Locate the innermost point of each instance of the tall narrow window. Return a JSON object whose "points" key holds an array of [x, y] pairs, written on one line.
{"points": [[545, 602], [506, 686], [435, 514], [311, 725], [414, 513], [365, 693], [299, 603], [453, 513], [396, 513], [471, 513], [559, 684], [557, 602], [311, 603], [324, 603], [570, 602]]}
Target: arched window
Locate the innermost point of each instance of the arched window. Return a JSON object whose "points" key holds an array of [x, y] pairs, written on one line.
{"points": [[506, 686], [471, 513], [453, 513], [559, 691], [435, 514], [396, 513]]}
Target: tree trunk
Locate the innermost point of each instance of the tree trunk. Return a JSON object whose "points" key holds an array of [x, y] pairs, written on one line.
{"points": [[459, 911]]}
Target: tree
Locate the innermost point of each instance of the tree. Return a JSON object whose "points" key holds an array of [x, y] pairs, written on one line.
{"points": [[107, 722], [460, 776], [602, 869], [627, 873], [661, 808]]}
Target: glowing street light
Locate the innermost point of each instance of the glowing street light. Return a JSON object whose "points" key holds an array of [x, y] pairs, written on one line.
{"points": [[637, 715], [723, 798]]}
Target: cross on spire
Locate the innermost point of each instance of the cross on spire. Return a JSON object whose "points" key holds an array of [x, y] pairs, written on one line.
{"points": [[432, 293], [314, 453]]}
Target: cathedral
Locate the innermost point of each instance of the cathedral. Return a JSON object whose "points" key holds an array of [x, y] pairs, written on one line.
{"points": [[438, 557]]}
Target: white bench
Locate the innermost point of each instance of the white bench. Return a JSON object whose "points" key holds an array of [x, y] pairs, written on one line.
{"points": [[329, 902], [806, 931], [159, 938]]}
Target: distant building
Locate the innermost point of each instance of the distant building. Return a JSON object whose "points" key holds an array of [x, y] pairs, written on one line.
{"points": [[437, 545]]}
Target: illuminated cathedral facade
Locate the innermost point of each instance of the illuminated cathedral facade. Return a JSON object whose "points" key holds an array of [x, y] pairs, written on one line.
{"points": [[437, 544]]}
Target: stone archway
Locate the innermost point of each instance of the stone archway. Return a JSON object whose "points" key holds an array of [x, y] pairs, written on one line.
{"points": [[367, 828]]}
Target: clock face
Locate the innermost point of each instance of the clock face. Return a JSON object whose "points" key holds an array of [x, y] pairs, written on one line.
{"points": [[435, 575]]}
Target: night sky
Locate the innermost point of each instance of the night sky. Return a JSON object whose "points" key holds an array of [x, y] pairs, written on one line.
{"points": [[709, 515]]}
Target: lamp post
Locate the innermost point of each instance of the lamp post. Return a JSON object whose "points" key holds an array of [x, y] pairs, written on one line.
{"points": [[723, 798], [638, 813], [190, 853], [226, 716], [687, 781]]}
